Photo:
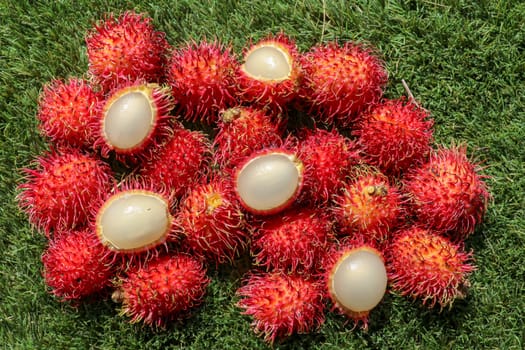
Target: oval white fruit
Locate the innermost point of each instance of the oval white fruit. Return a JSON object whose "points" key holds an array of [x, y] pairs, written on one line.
{"points": [[268, 63]]}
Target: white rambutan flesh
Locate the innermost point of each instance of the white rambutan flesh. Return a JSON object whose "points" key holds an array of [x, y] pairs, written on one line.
{"points": [[268, 63]]}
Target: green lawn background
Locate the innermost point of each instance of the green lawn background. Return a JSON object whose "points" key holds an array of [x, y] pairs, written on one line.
{"points": [[463, 60]]}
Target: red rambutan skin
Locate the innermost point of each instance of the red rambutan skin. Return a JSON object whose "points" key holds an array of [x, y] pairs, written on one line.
{"points": [[395, 135], [340, 81], [429, 267], [202, 78], [126, 47], [293, 242], [447, 194], [66, 109], [369, 205], [164, 289], [282, 304], [76, 265], [179, 164], [272, 94], [59, 193], [211, 221], [328, 157], [243, 130]]}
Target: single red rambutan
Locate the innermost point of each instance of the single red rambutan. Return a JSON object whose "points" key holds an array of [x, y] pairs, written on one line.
{"points": [[243, 130], [202, 77], [270, 74], [369, 205], [66, 109], [427, 266], [211, 221], [76, 265], [340, 81], [395, 135], [126, 47], [58, 194], [164, 289], [447, 193], [282, 304], [294, 241], [328, 157]]}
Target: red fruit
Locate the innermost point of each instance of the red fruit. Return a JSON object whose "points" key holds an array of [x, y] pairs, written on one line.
{"points": [[341, 81], [429, 267], [60, 192], [328, 158], [211, 221], [294, 241], [448, 194], [65, 111], [369, 206], [127, 47], [395, 135], [164, 289], [202, 77], [282, 305], [243, 130], [180, 164], [270, 75]]}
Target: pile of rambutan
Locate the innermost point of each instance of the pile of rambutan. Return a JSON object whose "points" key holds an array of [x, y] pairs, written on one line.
{"points": [[338, 194]]}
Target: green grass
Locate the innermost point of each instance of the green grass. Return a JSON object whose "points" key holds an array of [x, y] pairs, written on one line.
{"points": [[464, 60]]}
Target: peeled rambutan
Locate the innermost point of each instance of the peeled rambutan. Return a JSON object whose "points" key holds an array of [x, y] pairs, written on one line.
{"points": [[180, 163], [447, 193], [427, 266], [328, 158], [294, 241], [243, 130], [395, 135], [126, 47], [202, 77], [66, 109], [58, 194], [369, 205], [270, 74], [76, 265], [211, 221], [164, 289], [340, 81], [282, 304]]}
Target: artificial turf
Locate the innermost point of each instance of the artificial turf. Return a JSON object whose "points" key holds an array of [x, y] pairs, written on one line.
{"points": [[463, 60]]}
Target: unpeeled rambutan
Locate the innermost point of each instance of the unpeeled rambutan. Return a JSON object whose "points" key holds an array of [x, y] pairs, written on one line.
{"points": [[447, 193], [163, 289], [282, 304], [427, 266]]}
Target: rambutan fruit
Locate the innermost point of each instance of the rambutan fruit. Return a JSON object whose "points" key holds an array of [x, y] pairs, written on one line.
{"points": [[356, 280], [58, 194], [126, 47], [202, 77], [340, 81], [282, 304], [294, 241], [395, 135], [243, 130], [211, 221], [270, 74], [427, 266], [66, 109], [447, 193], [76, 265], [163, 289], [268, 181], [180, 163], [369, 205], [328, 158], [134, 118]]}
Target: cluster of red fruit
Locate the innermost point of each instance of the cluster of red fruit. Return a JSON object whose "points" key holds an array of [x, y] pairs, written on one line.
{"points": [[133, 200]]}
